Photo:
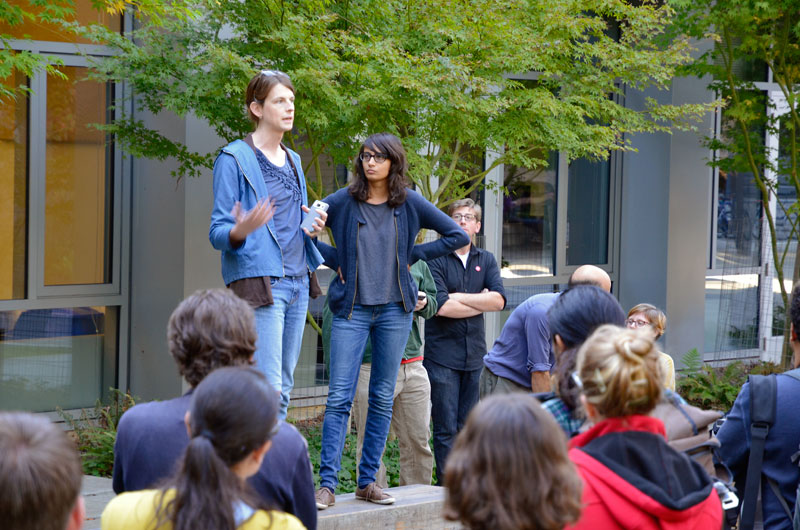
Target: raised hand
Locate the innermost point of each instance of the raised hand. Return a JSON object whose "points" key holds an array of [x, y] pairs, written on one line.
{"points": [[248, 222]]}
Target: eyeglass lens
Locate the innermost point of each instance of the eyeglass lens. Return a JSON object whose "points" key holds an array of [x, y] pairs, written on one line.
{"points": [[379, 157], [464, 216]]}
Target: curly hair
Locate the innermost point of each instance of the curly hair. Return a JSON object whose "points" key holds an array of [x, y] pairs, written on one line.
{"points": [[509, 469], [619, 371], [208, 330], [391, 146]]}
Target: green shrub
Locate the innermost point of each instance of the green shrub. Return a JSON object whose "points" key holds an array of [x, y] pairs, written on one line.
{"points": [[716, 388], [96, 431]]}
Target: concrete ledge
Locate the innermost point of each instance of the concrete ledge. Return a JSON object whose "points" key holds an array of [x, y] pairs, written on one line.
{"points": [[417, 507], [97, 492]]}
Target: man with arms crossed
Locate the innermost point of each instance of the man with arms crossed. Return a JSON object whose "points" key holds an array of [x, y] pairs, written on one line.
{"points": [[468, 284]]}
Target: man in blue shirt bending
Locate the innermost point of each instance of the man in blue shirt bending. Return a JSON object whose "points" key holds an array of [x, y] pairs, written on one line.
{"points": [[521, 358]]}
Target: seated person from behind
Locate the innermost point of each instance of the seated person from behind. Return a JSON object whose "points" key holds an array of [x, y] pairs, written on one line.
{"points": [[208, 330], [40, 475], [632, 478], [230, 423]]}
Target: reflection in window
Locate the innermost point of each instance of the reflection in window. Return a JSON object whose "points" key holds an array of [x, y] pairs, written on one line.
{"points": [[529, 220], [731, 319], [587, 212], [61, 357], [78, 189], [84, 13], [14, 196]]}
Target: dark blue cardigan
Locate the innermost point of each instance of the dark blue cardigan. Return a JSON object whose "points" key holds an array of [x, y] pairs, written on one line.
{"points": [[415, 213]]}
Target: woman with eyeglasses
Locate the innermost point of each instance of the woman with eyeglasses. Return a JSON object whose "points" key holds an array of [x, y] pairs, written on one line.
{"points": [[374, 222], [632, 477], [231, 421], [260, 200], [654, 322]]}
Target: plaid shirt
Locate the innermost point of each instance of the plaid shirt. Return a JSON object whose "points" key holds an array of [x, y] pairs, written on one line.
{"points": [[563, 416]]}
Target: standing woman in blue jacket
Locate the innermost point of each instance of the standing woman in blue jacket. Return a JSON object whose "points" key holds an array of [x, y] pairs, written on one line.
{"points": [[374, 222], [259, 202]]}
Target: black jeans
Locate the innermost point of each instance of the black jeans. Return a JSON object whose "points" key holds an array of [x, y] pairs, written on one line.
{"points": [[453, 394]]}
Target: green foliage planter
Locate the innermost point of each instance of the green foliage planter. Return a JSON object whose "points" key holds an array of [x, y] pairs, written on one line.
{"points": [[95, 432], [716, 388]]}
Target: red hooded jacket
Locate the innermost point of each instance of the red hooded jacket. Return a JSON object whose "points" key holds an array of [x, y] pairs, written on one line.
{"points": [[634, 480]]}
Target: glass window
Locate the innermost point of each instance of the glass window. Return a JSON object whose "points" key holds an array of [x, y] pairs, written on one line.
{"points": [[40, 30], [732, 308], [62, 357], [529, 219], [587, 212], [14, 196], [78, 188]]}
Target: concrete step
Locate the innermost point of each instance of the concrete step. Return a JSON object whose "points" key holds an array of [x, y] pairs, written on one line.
{"points": [[417, 507]]}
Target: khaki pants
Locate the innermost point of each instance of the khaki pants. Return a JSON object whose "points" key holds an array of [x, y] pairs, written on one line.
{"points": [[494, 384], [411, 417]]}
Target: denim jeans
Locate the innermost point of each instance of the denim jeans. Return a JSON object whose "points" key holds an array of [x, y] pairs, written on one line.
{"points": [[280, 329], [388, 327], [453, 394]]}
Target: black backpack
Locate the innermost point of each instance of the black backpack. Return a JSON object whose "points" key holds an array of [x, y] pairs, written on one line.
{"points": [[763, 402]]}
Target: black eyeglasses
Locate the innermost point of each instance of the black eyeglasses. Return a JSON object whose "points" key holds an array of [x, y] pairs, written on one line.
{"points": [[465, 216], [379, 158]]}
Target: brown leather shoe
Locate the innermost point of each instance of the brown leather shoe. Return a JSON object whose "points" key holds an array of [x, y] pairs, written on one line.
{"points": [[324, 497], [373, 493]]}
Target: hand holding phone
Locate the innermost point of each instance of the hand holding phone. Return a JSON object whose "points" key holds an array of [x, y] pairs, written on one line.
{"points": [[313, 215]]}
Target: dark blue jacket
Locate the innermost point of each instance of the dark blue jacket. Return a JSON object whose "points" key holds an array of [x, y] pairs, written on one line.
{"points": [[151, 437], [782, 442], [344, 218]]}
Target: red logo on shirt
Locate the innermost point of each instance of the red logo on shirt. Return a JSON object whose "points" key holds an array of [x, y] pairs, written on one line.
{"points": [[478, 268]]}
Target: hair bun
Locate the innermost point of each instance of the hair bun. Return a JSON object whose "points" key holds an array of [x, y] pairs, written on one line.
{"points": [[633, 346]]}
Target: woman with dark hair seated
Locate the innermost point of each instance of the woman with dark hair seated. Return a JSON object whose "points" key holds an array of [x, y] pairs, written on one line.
{"points": [[572, 318], [509, 469], [632, 477], [232, 418]]}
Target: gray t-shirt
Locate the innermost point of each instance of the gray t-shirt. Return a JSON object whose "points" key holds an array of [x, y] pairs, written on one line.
{"points": [[377, 256]]}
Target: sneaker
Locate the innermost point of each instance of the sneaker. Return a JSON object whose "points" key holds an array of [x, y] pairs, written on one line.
{"points": [[373, 493], [324, 497]]}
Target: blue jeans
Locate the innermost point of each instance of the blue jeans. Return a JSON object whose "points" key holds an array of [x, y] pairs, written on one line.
{"points": [[453, 394], [388, 327], [280, 329]]}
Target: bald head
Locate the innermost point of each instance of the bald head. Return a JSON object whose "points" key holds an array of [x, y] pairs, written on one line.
{"points": [[590, 275]]}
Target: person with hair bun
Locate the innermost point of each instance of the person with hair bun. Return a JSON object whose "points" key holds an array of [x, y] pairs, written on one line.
{"points": [[654, 321], [632, 477], [509, 469], [231, 421]]}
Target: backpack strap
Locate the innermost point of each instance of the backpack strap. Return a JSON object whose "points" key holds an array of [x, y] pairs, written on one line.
{"points": [[763, 391]]}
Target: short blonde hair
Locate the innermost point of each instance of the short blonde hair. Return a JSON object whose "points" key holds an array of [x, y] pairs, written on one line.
{"points": [[619, 372], [466, 203], [654, 315]]}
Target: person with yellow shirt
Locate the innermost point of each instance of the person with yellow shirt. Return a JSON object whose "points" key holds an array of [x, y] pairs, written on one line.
{"points": [[231, 421]]}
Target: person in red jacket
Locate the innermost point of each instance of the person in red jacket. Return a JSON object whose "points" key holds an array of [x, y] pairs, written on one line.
{"points": [[632, 478]]}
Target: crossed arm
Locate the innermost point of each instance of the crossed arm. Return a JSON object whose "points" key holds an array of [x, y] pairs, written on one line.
{"points": [[464, 305]]}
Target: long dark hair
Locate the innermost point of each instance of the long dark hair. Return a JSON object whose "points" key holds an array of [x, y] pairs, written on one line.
{"points": [[573, 316], [392, 147], [233, 412]]}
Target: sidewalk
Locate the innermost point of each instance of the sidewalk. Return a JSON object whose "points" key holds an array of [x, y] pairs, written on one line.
{"points": [[417, 507]]}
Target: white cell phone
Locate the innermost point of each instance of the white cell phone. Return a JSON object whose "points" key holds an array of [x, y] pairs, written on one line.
{"points": [[313, 214]]}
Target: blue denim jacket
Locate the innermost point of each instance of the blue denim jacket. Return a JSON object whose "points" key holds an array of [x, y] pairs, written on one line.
{"points": [[344, 218], [237, 177]]}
